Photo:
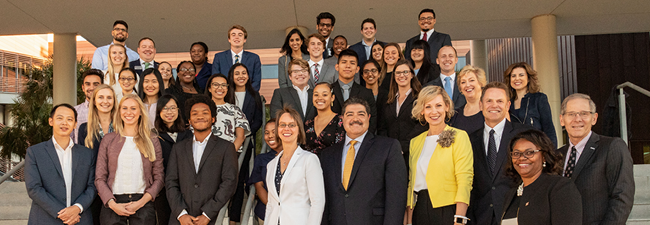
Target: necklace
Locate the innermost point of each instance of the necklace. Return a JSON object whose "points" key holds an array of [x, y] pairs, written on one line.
{"points": [[520, 189]]}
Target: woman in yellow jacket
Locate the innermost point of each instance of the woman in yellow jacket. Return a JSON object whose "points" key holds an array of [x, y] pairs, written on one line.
{"points": [[441, 164]]}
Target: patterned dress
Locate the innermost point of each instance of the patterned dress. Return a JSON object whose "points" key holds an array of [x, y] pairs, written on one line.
{"points": [[332, 134], [228, 118]]}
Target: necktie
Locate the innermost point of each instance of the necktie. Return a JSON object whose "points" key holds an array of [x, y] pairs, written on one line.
{"points": [[571, 164], [492, 153], [448, 87], [349, 162], [146, 65], [316, 73], [236, 58], [346, 92], [424, 36]]}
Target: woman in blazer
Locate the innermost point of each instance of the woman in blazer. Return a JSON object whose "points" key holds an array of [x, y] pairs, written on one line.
{"points": [[294, 177], [293, 48], [129, 171], [529, 105], [543, 196], [441, 164]]}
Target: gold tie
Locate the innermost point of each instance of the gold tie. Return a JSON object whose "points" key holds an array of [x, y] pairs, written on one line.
{"points": [[349, 162]]}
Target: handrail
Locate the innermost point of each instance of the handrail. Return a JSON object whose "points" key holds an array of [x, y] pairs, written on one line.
{"points": [[621, 105], [12, 171]]}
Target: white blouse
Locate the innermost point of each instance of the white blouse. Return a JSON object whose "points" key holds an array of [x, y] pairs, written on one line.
{"points": [[129, 175], [430, 144]]}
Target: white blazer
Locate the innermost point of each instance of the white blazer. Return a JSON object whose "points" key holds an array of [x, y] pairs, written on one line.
{"points": [[302, 191]]}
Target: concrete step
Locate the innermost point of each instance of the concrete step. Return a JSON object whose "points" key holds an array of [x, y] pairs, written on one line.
{"points": [[14, 212], [13, 222], [13, 188]]}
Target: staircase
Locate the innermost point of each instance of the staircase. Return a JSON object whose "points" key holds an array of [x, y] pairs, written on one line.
{"points": [[14, 203], [641, 210]]}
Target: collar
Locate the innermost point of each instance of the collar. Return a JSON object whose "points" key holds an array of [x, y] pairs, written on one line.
{"points": [[239, 54], [364, 42], [407, 93], [429, 33], [358, 139], [320, 63], [204, 142], [349, 84], [303, 90], [498, 129], [582, 143], [442, 77], [56, 145]]}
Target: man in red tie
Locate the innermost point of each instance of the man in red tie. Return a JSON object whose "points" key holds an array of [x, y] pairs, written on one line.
{"points": [[426, 20]]}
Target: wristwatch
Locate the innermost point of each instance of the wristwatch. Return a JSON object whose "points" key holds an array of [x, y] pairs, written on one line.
{"points": [[460, 219]]}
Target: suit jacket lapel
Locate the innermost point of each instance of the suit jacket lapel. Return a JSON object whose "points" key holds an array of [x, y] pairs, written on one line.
{"points": [[363, 150], [55, 158], [408, 101], [355, 89], [247, 103], [209, 148], [587, 153], [503, 148], [273, 192], [189, 154], [292, 162], [294, 94], [228, 59], [76, 158], [338, 165], [164, 136], [310, 103], [338, 93], [480, 156], [456, 91]]}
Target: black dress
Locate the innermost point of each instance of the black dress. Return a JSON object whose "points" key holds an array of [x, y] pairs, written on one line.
{"points": [[467, 123], [332, 133]]}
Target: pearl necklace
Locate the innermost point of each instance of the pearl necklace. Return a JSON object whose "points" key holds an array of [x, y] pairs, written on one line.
{"points": [[520, 189]]}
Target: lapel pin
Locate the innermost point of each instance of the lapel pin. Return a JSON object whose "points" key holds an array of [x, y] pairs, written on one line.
{"points": [[527, 203], [592, 148]]}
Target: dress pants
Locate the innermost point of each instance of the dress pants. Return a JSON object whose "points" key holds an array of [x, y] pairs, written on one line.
{"points": [[163, 211], [144, 216], [237, 200], [425, 214]]}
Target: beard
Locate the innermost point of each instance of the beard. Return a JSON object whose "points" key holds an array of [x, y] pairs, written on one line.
{"points": [[120, 39], [426, 30]]}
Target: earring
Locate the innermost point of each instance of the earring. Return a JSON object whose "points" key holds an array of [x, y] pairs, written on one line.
{"points": [[544, 164]]}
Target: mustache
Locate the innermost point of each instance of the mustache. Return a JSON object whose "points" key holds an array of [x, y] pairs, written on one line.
{"points": [[356, 122]]}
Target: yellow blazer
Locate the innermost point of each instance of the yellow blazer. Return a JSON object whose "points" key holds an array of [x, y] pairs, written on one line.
{"points": [[450, 172]]}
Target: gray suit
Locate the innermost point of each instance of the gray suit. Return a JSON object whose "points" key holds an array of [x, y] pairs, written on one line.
{"points": [[289, 96], [328, 73], [46, 185], [283, 75], [605, 180]]}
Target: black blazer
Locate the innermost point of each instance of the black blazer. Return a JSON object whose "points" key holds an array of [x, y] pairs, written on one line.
{"points": [[401, 127], [166, 143], [458, 99], [428, 72], [135, 65], [253, 110], [377, 189], [83, 132], [360, 92], [360, 49], [604, 177], [551, 199], [436, 41], [206, 191], [289, 96], [488, 190]]}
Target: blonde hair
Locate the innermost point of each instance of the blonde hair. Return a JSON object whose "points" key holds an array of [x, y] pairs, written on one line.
{"points": [[110, 71], [93, 116], [480, 74], [142, 138], [426, 95]]}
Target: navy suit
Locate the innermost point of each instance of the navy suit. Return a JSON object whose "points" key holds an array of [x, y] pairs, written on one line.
{"points": [[46, 185], [436, 41], [360, 49], [223, 61], [252, 108], [458, 99]]}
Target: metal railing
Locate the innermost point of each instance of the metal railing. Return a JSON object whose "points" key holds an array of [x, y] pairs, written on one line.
{"points": [[10, 173], [621, 105]]}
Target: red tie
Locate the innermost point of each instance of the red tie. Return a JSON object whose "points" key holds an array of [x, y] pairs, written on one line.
{"points": [[424, 37]]}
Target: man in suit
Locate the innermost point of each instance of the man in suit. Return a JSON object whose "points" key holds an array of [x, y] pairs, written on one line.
{"points": [[60, 175], [147, 53], [299, 95], [222, 61], [120, 33], [364, 175], [199, 56], [345, 87], [490, 146], [321, 69], [364, 47], [447, 59], [426, 20], [325, 25], [600, 166], [202, 170]]}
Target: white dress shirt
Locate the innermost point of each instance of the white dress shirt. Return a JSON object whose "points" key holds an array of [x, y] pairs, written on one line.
{"points": [[399, 104], [580, 147], [346, 147], [239, 99], [452, 81], [65, 159], [129, 175], [304, 97], [240, 54], [498, 133], [429, 33], [151, 64], [312, 68], [430, 144]]}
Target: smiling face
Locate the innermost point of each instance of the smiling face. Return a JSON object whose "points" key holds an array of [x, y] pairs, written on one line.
{"points": [[527, 167], [236, 38], [198, 54], [104, 100], [447, 60], [370, 73], [169, 114], [403, 76], [240, 76], [288, 129], [299, 76], [295, 42], [129, 112], [186, 73], [347, 67], [435, 111], [63, 121], [578, 127], [519, 79], [117, 55], [120, 33], [90, 83], [201, 117], [217, 88], [269, 136], [127, 81], [147, 50], [356, 120], [325, 27], [368, 31], [469, 86], [151, 85], [426, 21], [165, 71], [494, 105], [417, 54], [315, 47], [339, 45], [322, 97], [391, 55], [377, 52]]}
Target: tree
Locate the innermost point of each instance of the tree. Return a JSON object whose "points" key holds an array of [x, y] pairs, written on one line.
{"points": [[32, 110]]}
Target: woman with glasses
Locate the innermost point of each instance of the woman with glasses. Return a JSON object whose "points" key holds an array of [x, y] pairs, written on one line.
{"points": [[293, 48], [542, 196], [128, 80], [370, 74], [186, 85], [528, 105], [167, 75], [150, 90], [231, 123], [117, 61]]}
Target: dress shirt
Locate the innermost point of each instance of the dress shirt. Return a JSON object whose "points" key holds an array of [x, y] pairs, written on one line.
{"points": [[452, 82], [399, 104], [82, 117], [368, 48], [346, 147], [152, 113], [239, 99], [312, 67], [327, 42], [430, 144], [65, 158], [429, 33], [173, 135], [580, 147], [304, 97], [498, 132], [129, 175], [100, 57], [343, 89], [240, 54], [151, 64], [197, 152]]}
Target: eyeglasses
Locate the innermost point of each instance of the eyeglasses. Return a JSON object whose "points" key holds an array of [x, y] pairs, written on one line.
{"points": [[426, 18], [370, 71], [402, 73], [583, 114], [290, 125], [128, 79], [218, 85], [168, 109], [325, 25], [119, 29], [186, 70], [299, 71], [527, 154]]}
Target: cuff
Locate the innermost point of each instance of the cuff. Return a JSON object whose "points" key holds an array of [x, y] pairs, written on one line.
{"points": [[184, 212], [206, 216], [81, 208]]}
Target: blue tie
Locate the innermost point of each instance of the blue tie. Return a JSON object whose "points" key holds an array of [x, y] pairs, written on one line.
{"points": [[448, 87]]}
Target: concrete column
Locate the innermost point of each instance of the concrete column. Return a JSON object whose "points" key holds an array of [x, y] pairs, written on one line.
{"points": [[478, 56], [303, 30], [8, 121], [2, 114], [65, 69], [545, 61]]}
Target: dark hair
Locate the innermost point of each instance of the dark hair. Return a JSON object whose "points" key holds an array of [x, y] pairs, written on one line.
{"points": [[64, 105], [272, 120], [161, 127], [205, 47], [229, 98], [286, 48], [348, 52], [371, 60], [161, 84], [325, 15], [200, 99], [93, 72], [296, 117], [195, 83], [353, 100], [531, 74], [238, 27], [341, 36], [369, 20], [248, 86], [146, 38], [123, 23], [539, 139], [135, 75], [497, 85], [415, 83], [421, 44], [427, 10], [172, 82]]}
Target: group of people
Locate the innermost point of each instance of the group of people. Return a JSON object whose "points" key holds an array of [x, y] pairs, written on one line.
{"points": [[368, 134]]}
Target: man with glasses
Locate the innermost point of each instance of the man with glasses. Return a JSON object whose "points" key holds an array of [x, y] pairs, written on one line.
{"points": [[120, 34], [426, 20], [222, 61], [299, 95], [321, 69], [325, 25], [490, 146], [600, 166]]}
